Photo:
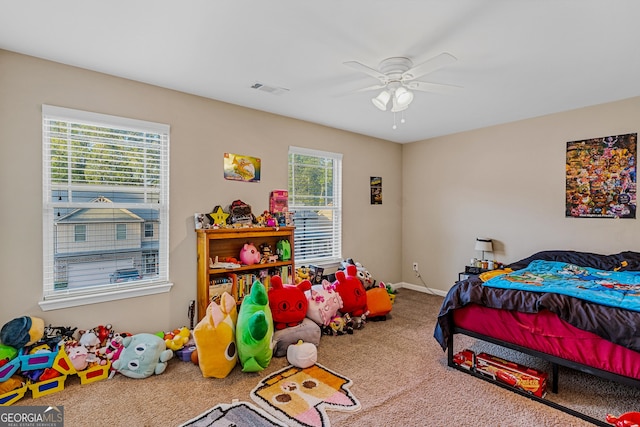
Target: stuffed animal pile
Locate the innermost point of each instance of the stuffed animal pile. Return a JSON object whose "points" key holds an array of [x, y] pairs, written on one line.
{"points": [[287, 319]]}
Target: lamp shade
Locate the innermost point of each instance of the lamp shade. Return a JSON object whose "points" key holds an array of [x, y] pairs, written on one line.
{"points": [[403, 97], [381, 100], [484, 244]]}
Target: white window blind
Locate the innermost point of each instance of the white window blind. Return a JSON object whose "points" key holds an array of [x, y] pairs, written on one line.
{"points": [[108, 176], [315, 197]]}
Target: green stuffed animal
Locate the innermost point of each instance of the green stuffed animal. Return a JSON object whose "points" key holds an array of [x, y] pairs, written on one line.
{"points": [[254, 330]]}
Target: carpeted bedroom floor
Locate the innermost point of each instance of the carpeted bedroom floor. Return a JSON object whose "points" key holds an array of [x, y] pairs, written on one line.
{"points": [[399, 373]]}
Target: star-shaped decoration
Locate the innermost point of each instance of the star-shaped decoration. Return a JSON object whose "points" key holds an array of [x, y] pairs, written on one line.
{"points": [[219, 216]]}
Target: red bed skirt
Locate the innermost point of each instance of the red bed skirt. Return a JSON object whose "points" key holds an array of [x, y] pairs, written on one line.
{"points": [[547, 333]]}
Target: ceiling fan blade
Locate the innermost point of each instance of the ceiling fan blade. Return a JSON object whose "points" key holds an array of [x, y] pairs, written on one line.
{"points": [[432, 87], [368, 88], [367, 70], [429, 66]]}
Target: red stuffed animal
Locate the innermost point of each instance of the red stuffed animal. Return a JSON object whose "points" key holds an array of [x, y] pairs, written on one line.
{"points": [[354, 297], [288, 303]]}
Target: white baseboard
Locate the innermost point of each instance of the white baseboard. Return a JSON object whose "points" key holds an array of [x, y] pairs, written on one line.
{"points": [[418, 288]]}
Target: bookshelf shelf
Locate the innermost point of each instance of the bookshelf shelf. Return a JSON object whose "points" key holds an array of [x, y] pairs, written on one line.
{"points": [[227, 243]]}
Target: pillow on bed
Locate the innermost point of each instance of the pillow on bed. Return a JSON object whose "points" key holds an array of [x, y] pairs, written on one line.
{"points": [[629, 261]]}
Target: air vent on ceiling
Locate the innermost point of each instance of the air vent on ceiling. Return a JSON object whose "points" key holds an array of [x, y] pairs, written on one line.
{"points": [[270, 89]]}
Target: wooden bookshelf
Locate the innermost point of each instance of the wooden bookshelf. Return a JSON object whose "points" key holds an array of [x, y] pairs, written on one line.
{"points": [[227, 242]]}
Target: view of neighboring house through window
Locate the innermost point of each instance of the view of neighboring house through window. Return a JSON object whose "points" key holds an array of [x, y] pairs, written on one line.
{"points": [[105, 204], [315, 188], [80, 233]]}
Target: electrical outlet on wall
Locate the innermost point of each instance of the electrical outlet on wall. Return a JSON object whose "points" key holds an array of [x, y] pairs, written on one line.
{"points": [[415, 266]]}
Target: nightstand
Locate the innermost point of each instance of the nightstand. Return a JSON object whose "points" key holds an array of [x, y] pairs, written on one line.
{"points": [[470, 271]]}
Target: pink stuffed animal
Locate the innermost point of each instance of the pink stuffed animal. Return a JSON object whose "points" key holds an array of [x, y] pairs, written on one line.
{"points": [[324, 303], [249, 255]]}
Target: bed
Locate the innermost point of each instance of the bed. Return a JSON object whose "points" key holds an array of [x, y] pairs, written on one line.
{"points": [[585, 334]]}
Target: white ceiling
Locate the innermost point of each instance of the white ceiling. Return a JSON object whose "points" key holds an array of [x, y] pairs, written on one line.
{"points": [[516, 58]]}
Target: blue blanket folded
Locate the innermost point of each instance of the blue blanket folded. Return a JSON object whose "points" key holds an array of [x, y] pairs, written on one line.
{"points": [[612, 288]]}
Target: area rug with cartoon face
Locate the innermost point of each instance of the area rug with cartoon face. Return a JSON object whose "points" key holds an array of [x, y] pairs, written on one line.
{"points": [[300, 397], [240, 414]]}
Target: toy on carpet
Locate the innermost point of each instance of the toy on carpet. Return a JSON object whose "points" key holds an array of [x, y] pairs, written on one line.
{"points": [[628, 419], [249, 254], [339, 325], [177, 338], [288, 303], [78, 355], [302, 354], [307, 331], [143, 355], [11, 383], [363, 274], [354, 297], [90, 340], [22, 331], [254, 330], [324, 303], [378, 303], [214, 336], [7, 354], [112, 349]]}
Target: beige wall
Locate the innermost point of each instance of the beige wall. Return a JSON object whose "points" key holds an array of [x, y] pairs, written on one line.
{"points": [[508, 183], [201, 131]]}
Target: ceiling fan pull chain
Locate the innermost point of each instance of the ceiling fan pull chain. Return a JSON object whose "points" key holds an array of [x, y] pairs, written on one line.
{"points": [[394, 127]]}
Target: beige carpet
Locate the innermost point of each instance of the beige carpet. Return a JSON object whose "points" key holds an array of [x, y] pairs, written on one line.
{"points": [[399, 373]]}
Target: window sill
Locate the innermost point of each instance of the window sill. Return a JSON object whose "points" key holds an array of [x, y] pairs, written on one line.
{"points": [[78, 300]]}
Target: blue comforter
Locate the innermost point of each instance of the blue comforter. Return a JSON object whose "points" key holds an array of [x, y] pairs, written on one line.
{"points": [[619, 289]]}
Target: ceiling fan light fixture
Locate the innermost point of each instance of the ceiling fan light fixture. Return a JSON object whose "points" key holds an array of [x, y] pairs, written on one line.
{"points": [[396, 108], [403, 97], [382, 100]]}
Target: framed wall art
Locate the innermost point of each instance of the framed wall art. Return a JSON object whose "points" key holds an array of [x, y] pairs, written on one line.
{"points": [[601, 177], [241, 168]]}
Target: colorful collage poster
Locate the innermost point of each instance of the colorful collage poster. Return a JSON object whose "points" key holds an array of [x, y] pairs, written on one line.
{"points": [[601, 177]]}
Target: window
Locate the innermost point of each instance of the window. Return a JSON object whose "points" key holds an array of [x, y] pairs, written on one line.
{"points": [[80, 233], [315, 187], [121, 231], [148, 230], [105, 184]]}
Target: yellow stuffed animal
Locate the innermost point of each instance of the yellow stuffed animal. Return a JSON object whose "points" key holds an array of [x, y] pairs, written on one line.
{"points": [[302, 273], [215, 337]]}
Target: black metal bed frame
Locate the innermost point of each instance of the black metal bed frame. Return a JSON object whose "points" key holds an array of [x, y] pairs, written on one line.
{"points": [[554, 360]]}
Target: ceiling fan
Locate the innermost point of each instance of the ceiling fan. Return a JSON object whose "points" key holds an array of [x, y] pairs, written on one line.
{"points": [[397, 76]]}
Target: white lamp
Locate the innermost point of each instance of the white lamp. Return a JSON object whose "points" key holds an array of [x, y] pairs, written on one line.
{"points": [[403, 97], [484, 244], [381, 100]]}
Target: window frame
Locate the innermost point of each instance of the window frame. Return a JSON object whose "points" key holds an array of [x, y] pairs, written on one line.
{"points": [[335, 209], [63, 297]]}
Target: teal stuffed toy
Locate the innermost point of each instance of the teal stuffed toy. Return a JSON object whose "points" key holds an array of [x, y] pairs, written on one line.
{"points": [[143, 355], [254, 330]]}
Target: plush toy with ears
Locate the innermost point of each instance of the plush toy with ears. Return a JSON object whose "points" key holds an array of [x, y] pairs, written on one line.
{"points": [[215, 337], [143, 355], [324, 303], [288, 303], [351, 290]]}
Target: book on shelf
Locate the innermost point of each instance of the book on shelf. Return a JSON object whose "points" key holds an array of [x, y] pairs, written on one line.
{"points": [[218, 286], [242, 282]]}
